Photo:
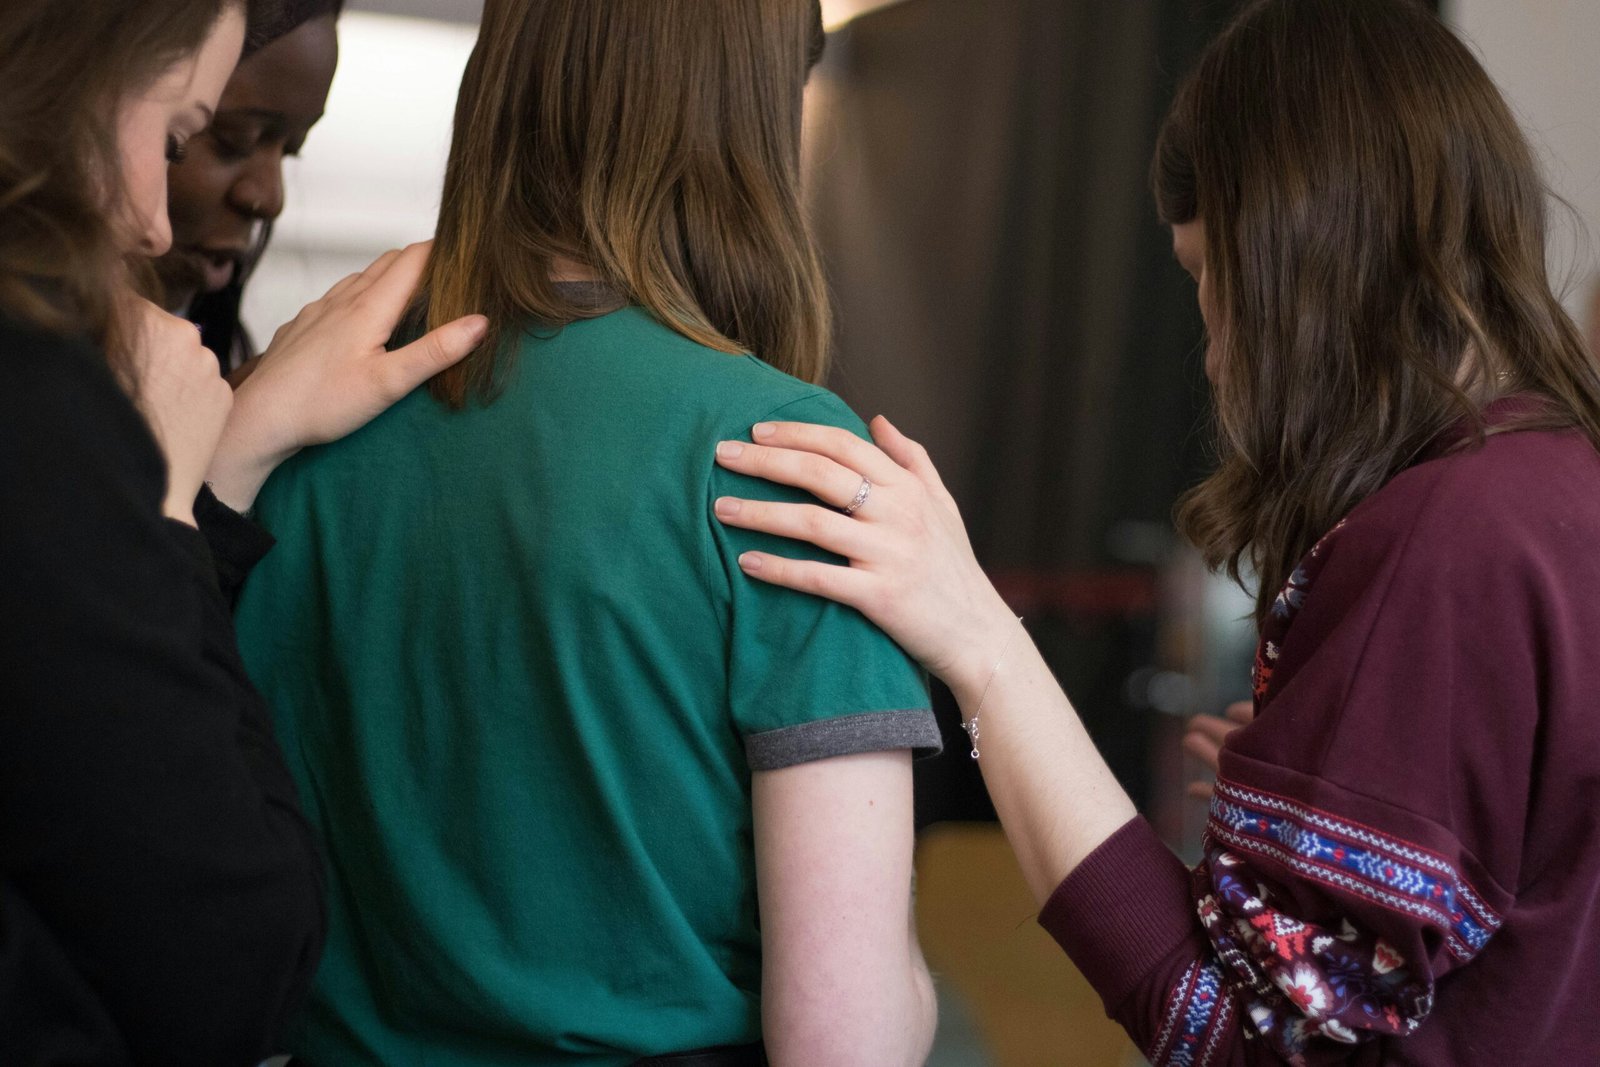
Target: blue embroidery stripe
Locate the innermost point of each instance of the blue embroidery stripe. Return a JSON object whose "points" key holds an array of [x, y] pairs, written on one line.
{"points": [[1198, 1008], [1398, 849], [1218, 1029], [1175, 1002], [1458, 947], [1357, 860]]}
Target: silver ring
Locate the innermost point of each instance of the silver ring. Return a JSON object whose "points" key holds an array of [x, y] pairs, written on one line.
{"points": [[861, 498]]}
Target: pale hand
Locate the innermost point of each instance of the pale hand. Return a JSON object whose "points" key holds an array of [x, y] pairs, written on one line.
{"points": [[327, 373], [911, 568], [176, 387], [1206, 735]]}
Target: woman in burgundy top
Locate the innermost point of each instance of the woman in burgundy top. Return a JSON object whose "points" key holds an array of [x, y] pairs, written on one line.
{"points": [[1402, 862]]}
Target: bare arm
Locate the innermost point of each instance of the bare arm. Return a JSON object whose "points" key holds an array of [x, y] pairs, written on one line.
{"points": [[843, 979]]}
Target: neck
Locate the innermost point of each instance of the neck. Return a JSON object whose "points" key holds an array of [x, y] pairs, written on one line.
{"points": [[563, 269]]}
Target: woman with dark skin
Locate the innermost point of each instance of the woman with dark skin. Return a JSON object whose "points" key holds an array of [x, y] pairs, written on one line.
{"points": [[228, 188]]}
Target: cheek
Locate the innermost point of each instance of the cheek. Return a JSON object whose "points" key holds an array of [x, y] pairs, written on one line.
{"points": [[196, 191], [144, 185], [147, 195]]}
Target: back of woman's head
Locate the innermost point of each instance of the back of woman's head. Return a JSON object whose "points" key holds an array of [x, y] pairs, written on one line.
{"points": [[655, 142], [1375, 250], [65, 67]]}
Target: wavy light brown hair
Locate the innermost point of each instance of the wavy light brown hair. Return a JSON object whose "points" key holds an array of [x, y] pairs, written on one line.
{"points": [[64, 67], [1375, 244], [657, 142]]}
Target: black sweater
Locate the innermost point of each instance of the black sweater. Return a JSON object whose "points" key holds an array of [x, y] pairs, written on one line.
{"points": [[160, 893]]}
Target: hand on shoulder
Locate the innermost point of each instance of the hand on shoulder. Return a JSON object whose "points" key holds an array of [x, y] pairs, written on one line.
{"points": [[327, 372]]}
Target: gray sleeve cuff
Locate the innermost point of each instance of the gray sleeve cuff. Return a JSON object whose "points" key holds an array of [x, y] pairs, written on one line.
{"points": [[873, 731]]}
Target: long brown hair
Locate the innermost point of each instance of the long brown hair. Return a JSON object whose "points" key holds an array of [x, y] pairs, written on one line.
{"points": [[657, 142], [1375, 246], [64, 67]]}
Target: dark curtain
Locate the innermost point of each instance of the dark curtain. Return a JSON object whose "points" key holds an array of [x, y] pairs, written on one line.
{"points": [[978, 175], [1006, 295]]}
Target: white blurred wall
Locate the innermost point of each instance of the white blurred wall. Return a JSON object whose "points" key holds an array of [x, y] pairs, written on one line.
{"points": [[369, 176], [1545, 56]]}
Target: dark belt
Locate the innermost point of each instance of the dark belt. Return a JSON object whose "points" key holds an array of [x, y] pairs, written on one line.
{"points": [[726, 1056]]}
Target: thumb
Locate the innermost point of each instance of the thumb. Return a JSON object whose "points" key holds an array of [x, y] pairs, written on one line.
{"points": [[406, 368]]}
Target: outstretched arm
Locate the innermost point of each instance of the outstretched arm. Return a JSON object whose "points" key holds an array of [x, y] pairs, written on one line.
{"points": [[912, 572]]}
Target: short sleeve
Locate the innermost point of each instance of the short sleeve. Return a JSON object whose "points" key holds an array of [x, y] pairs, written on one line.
{"points": [[808, 679]]}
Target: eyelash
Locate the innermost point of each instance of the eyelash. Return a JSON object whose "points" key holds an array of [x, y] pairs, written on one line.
{"points": [[177, 151]]}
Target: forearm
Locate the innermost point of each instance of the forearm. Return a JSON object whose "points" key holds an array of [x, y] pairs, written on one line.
{"points": [[1055, 796], [242, 464]]}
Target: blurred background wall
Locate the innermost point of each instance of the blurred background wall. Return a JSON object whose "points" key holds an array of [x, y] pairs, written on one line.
{"points": [[977, 172]]}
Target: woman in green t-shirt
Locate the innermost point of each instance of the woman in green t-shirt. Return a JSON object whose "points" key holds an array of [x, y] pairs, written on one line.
{"points": [[589, 794]]}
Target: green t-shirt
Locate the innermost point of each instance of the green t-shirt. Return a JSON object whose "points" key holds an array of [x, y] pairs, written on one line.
{"points": [[523, 684]]}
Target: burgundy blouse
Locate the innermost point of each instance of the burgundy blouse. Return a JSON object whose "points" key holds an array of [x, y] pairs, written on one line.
{"points": [[1402, 860]]}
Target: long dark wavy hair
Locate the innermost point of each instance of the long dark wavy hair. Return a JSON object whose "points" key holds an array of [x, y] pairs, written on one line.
{"points": [[64, 67], [657, 143], [1375, 246]]}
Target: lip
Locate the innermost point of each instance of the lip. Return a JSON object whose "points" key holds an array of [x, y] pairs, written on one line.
{"points": [[216, 266]]}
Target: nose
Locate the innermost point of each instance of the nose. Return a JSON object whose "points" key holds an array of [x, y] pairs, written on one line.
{"points": [[258, 192], [155, 236]]}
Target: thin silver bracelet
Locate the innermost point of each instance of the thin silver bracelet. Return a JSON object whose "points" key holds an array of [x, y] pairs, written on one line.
{"points": [[972, 727]]}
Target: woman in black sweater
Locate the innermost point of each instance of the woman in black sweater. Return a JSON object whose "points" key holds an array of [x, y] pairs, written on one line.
{"points": [[160, 895]]}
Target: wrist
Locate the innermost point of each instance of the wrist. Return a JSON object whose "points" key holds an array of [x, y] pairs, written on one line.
{"points": [[179, 511], [246, 456], [238, 471], [990, 644]]}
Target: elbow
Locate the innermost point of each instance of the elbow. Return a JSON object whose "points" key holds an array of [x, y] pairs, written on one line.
{"points": [[889, 1025]]}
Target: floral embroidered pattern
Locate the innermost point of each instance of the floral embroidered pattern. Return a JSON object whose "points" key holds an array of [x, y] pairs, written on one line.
{"points": [[1353, 859], [1198, 1014], [1299, 981]]}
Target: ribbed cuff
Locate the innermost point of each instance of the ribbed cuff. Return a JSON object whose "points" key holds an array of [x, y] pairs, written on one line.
{"points": [[1123, 911], [236, 542]]}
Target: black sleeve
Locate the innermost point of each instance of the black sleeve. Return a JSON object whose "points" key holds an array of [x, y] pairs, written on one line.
{"points": [[49, 1014], [147, 820], [237, 544]]}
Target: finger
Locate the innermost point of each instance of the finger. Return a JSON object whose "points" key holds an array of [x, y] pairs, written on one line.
{"points": [[1200, 790], [831, 442], [826, 529], [818, 475], [406, 368], [1212, 727], [908, 454], [843, 585], [1204, 748], [350, 281], [1242, 712], [390, 290]]}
